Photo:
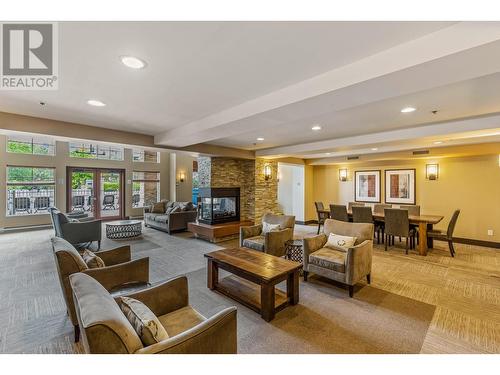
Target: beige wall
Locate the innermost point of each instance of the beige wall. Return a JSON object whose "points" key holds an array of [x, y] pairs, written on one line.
{"points": [[60, 161], [470, 183], [184, 164]]}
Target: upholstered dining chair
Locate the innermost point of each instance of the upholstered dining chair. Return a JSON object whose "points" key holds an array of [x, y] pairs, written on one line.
{"points": [[397, 224], [448, 234], [413, 210], [120, 273], [379, 208], [363, 214], [350, 205], [338, 212], [322, 216]]}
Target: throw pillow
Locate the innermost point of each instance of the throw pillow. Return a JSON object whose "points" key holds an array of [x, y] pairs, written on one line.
{"points": [[92, 260], [144, 321], [158, 208], [338, 242], [266, 227]]}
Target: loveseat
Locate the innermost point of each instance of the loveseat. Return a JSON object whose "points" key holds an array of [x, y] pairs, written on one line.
{"points": [[169, 216]]}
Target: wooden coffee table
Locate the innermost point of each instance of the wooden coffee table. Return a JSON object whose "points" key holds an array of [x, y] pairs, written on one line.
{"points": [[256, 275]]}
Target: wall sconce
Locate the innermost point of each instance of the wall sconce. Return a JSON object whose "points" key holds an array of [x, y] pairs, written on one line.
{"points": [[182, 176], [432, 171], [343, 174], [267, 172]]}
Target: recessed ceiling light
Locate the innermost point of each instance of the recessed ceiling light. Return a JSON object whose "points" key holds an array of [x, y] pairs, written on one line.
{"points": [[408, 110], [260, 139], [438, 142], [328, 153], [95, 103], [133, 62], [316, 127], [374, 149]]}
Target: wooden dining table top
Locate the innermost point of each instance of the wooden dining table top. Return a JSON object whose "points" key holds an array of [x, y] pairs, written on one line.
{"points": [[414, 219]]}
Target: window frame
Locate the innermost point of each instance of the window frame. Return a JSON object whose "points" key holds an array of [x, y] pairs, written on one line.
{"points": [[11, 138], [109, 150], [143, 152], [143, 180]]}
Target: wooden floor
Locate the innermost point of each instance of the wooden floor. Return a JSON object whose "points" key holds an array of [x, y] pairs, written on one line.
{"points": [[464, 289]]}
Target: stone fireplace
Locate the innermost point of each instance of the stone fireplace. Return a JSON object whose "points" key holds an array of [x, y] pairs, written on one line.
{"points": [[219, 205]]}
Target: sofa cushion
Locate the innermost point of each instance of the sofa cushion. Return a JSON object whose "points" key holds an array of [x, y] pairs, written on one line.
{"points": [[186, 206], [161, 219], [144, 321], [172, 210], [328, 258], [339, 242], [92, 260], [158, 208], [256, 243], [181, 320]]}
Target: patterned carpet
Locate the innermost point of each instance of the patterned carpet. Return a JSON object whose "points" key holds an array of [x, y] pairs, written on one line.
{"points": [[393, 315]]}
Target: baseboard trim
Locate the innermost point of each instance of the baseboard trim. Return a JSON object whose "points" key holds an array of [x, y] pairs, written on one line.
{"points": [[471, 241], [25, 229]]}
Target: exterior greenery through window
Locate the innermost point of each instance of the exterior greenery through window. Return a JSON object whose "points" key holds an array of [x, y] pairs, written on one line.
{"points": [[95, 151], [145, 156], [145, 188], [30, 190], [19, 144]]}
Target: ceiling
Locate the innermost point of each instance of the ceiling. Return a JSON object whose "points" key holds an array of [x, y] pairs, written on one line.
{"points": [[228, 83]]}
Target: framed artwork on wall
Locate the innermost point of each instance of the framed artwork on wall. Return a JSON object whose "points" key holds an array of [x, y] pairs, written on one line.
{"points": [[400, 186], [367, 186]]}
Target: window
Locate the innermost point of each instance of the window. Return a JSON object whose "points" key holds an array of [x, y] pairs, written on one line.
{"points": [[95, 151], [145, 156], [30, 190], [145, 188], [20, 144]]}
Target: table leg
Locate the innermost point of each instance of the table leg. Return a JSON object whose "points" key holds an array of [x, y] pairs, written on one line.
{"points": [[292, 287], [430, 240], [267, 302], [422, 237], [212, 274]]}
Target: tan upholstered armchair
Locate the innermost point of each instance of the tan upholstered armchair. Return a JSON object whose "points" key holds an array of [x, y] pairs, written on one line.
{"points": [[271, 242], [347, 267], [106, 329], [120, 274]]}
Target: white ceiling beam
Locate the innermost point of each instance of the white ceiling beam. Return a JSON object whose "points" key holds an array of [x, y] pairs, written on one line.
{"points": [[445, 42]]}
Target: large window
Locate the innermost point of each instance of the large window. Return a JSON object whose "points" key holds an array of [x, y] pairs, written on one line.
{"points": [[95, 151], [30, 190], [145, 156], [145, 188], [21, 144]]}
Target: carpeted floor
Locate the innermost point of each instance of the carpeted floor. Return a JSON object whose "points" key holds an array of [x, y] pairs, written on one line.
{"points": [[382, 318]]}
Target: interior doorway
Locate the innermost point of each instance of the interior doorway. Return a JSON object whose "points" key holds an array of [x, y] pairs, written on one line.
{"points": [[98, 192], [291, 193]]}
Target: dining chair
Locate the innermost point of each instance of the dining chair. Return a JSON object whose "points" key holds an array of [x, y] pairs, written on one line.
{"points": [[350, 205], [321, 215], [397, 224], [338, 212], [448, 235], [364, 215], [378, 209], [413, 210]]}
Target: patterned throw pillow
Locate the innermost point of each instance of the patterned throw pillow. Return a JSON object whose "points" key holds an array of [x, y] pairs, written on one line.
{"points": [[158, 208], [92, 260], [144, 321], [266, 227], [338, 242]]}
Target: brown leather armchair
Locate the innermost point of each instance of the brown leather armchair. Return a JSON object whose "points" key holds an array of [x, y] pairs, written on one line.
{"points": [[120, 275], [105, 328], [271, 242]]}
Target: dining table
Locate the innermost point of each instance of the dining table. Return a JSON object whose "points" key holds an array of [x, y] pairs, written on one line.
{"points": [[425, 223]]}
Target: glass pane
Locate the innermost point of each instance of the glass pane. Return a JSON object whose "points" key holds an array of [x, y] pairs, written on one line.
{"points": [[153, 176], [151, 156], [145, 193], [83, 150], [29, 175], [82, 192], [20, 144], [26, 200], [137, 155], [110, 194]]}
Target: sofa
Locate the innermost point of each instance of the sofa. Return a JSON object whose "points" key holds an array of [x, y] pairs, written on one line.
{"points": [[75, 231], [107, 329], [347, 266], [169, 216], [119, 275], [272, 242]]}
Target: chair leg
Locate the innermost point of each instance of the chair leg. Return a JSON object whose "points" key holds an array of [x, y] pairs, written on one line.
{"points": [[77, 333], [452, 249], [98, 245], [368, 278], [319, 225], [351, 290], [305, 273], [406, 245], [386, 240]]}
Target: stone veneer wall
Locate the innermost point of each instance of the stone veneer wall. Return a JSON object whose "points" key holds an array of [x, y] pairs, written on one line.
{"points": [[257, 195]]}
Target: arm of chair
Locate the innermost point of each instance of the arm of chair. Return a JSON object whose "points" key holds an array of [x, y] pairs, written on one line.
{"points": [[135, 271], [216, 335], [166, 297], [359, 261], [82, 231], [310, 245], [115, 256], [275, 241], [250, 231]]}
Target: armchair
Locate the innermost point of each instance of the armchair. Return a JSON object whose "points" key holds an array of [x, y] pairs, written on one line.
{"points": [[75, 231], [347, 267], [271, 242], [105, 328], [120, 275]]}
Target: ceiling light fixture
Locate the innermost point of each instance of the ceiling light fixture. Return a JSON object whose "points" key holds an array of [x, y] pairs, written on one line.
{"points": [[328, 153], [316, 127], [374, 149], [260, 139], [96, 103], [408, 110], [438, 142], [133, 62]]}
